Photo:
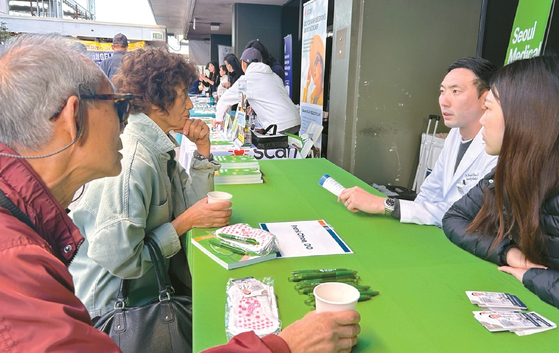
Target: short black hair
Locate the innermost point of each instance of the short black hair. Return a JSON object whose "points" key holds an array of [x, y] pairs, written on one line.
{"points": [[482, 68]]}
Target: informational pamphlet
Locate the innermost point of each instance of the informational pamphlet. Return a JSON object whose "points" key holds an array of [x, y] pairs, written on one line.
{"points": [[496, 301], [306, 238], [520, 323]]}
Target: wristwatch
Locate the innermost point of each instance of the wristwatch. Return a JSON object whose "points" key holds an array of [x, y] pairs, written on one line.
{"points": [[389, 206], [201, 157]]}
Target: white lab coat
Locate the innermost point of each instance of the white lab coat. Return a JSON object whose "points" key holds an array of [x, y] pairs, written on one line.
{"points": [[267, 97], [443, 187]]}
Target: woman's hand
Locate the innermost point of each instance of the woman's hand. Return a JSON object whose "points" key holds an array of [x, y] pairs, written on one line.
{"points": [[516, 272], [203, 215], [198, 132], [518, 264], [516, 259]]}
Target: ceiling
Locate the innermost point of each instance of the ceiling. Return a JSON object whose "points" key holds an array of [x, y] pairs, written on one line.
{"points": [[179, 15]]}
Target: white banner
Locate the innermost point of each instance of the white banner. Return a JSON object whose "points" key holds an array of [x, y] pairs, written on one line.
{"points": [[315, 14]]}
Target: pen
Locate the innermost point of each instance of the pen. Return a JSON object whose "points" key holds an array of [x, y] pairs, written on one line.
{"points": [[228, 247], [247, 240], [310, 288], [302, 276], [320, 270], [349, 279]]}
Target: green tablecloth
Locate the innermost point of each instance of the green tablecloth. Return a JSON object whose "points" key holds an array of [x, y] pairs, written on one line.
{"points": [[421, 276]]}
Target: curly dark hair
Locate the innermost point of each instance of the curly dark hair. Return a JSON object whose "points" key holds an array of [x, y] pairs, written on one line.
{"points": [[152, 75]]}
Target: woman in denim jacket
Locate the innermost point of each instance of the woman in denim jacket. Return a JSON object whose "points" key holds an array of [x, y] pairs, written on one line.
{"points": [[153, 196]]}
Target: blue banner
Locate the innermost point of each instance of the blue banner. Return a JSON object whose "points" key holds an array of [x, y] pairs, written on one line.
{"points": [[287, 59]]}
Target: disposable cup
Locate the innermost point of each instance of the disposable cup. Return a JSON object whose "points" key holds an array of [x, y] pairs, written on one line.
{"points": [[335, 296], [219, 196]]}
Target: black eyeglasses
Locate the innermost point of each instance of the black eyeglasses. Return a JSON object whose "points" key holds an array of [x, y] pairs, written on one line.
{"points": [[122, 103]]}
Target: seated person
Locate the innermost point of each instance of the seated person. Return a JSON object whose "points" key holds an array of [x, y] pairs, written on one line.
{"points": [[75, 129], [462, 162], [510, 218], [265, 93], [154, 196]]}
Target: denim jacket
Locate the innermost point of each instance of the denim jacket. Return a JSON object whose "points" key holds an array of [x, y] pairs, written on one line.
{"points": [[117, 213]]}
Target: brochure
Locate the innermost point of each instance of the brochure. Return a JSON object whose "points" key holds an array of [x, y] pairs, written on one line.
{"points": [[520, 323], [496, 301], [306, 238]]}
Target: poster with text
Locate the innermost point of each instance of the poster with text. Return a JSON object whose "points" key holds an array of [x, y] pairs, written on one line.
{"points": [[312, 65], [528, 30]]}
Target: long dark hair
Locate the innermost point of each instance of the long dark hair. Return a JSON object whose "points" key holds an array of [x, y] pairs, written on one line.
{"points": [[214, 76], [236, 65], [527, 173]]}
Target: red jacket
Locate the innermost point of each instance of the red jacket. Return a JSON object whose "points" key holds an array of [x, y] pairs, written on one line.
{"points": [[38, 309], [249, 342]]}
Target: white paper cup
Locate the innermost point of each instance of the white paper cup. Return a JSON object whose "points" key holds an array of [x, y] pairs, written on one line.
{"points": [[335, 296], [219, 196]]}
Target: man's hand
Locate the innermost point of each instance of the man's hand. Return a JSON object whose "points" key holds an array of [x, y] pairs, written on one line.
{"points": [[357, 199], [323, 333]]}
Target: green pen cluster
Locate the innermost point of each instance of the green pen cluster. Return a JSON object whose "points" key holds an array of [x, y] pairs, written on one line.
{"points": [[306, 280]]}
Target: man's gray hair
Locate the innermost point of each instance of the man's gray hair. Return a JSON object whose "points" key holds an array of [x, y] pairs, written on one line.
{"points": [[38, 73]]}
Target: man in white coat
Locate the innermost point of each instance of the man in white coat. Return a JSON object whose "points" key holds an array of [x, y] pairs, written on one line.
{"points": [[463, 160], [266, 95]]}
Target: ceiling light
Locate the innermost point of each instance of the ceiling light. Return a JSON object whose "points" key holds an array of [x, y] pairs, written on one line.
{"points": [[214, 26]]}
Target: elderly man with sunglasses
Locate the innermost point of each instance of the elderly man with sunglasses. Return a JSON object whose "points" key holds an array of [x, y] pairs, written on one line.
{"points": [[59, 129]]}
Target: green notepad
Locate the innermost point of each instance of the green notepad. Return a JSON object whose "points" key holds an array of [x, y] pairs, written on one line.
{"points": [[227, 259]]}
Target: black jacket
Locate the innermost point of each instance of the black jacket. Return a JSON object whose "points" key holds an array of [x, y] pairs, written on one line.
{"points": [[545, 283]]}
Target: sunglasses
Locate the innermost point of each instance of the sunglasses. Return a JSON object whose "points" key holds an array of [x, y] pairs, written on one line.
{"points": [[121, 101]]}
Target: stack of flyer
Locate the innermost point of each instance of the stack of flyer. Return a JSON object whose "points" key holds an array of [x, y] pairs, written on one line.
{"points": [[238, 170], [501, 313]]}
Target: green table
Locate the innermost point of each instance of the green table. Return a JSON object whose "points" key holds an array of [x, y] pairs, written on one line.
{"points": [[422, 277]]}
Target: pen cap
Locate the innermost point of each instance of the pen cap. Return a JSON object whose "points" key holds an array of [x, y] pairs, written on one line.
{"points": [[335, 296]]}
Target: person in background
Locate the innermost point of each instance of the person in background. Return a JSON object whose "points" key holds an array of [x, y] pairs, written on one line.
{"points": [[463, 160], [74, 127], [234, 69], [120, 46], [222, 80], [265, 93], [510, 218], [267, 58], [154, 196], [59, 129], [211, 78]]}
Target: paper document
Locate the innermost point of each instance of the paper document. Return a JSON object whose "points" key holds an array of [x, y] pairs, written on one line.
{"points": [[306, 238]]}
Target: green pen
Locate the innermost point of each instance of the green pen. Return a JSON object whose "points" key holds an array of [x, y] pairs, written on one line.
{"points": [[349, 279], [320, 270], [228, 247], [310, 288], [239, 238], [303, 276]]}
